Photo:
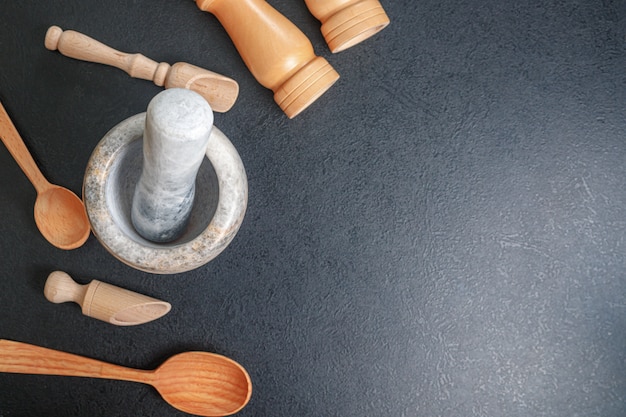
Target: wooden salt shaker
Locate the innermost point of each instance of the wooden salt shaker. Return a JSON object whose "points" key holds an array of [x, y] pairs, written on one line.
{"points": [[348, 22], [104, 301], [176, 135], [276, 52]]}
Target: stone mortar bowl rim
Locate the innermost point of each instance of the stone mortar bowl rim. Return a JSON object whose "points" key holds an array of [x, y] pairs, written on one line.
{"points": [[176, 257]]}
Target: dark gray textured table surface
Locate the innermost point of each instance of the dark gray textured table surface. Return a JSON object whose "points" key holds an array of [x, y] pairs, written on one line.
{"points": [[443, 233]]}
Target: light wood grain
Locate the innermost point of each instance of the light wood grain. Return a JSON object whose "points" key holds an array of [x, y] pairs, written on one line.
{"points": [[200, 383], [221, 92], [59, 214], [276, 52], [346, 23], [104, 301]]}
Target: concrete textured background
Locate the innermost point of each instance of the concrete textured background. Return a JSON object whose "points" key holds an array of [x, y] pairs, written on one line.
{"points": [[441, 234]]}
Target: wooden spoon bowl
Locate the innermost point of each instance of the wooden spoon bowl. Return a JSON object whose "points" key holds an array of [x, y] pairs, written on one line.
{"points": [[212, 385], [61, 218]]}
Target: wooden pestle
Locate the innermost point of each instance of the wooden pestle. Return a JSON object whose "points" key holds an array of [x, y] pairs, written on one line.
{"points": [[104, 301], [276, 52], [221, 92], [348, 22]]}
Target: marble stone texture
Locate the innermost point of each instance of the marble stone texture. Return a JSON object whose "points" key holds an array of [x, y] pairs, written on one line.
{"points": [[177, 130], [110, 179]]}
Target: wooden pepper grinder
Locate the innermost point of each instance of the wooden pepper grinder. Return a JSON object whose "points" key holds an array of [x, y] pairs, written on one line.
{"points": [[277, 53], [348, 22]]}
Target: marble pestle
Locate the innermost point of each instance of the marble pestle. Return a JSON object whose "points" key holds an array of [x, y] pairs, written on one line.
{"points": [[177, 130]]}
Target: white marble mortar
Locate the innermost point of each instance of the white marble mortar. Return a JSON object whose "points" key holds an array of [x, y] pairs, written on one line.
{"points": [[220, 203]]}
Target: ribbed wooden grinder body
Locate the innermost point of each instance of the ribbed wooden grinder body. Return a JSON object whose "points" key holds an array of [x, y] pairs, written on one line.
{"points": [[275, 51], [346, 23]]}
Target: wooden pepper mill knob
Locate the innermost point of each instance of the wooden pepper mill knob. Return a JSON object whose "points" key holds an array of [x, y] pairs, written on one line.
{"points": [[276, 52], [105, 302], [348, 22]]}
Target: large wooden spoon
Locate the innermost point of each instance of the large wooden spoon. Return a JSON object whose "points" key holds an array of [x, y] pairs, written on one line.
{"points": [[201, 383], [59, 214]]}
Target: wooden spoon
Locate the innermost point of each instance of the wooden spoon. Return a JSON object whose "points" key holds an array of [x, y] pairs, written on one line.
{"points": [[59, 214], [201, 383]]}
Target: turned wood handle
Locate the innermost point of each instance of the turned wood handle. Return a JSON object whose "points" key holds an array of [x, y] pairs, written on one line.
{"points": [[23, 358], [61, 288], [16, 146], [104, 301], [76, 45]]}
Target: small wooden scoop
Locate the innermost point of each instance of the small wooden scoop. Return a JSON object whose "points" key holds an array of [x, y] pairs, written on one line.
{"points": [[104, 301], [221, 92], [200, 383]]}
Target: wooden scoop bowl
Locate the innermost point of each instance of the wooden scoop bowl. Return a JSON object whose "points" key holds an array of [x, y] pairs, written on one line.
{"points": [[200, 383]]}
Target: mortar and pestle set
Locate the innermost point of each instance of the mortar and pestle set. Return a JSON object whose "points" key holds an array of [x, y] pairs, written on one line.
{"points": [[165, 191]]}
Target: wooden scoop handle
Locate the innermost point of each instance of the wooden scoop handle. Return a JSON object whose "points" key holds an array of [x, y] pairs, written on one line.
{"points": [[221, 92], [76, 45], [104, 301]]}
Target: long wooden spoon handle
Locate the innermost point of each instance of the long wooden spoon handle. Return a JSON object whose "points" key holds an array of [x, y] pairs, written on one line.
{"points": [[16, 146], [23, 358], [79, 46]]}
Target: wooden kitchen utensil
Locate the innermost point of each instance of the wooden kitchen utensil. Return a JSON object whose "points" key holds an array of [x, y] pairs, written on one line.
{"points": [[201, 383], [59, 213], [221, 92], [104, 301], [276, 52], [348, 22]]}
